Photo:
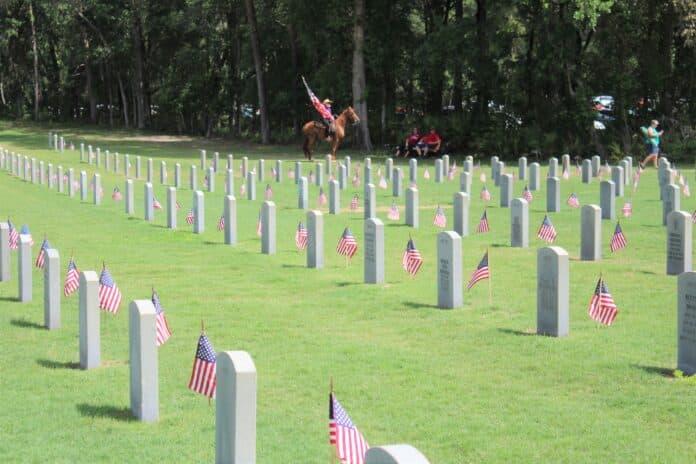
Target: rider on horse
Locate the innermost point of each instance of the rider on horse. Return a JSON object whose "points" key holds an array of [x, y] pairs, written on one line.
{"points": [[329, 121]]}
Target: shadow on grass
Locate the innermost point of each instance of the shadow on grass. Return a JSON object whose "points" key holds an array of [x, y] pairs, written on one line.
{"points": [[297, 266], [519, 333], [26, 324], [50, 364], [209, 242], [414, 305], [500, 245], [662, 371], [348, 284], [648, 272], [106, 412], [9, 298]]}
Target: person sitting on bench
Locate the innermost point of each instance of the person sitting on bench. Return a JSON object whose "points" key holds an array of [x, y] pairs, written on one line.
{"points": [[410, 143], [429, 144]]}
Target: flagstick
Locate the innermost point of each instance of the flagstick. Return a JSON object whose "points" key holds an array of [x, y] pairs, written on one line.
{"points": [[490, 290], [331, 447]]}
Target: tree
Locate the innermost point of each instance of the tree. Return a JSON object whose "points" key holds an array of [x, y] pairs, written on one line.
{"points": [[359, 91], [258, 66]]}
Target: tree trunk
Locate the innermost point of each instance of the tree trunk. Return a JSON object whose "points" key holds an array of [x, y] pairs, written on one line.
{"points": [[258, 66], [37, 91], [90, 82], [124, 100], [457, 84], [292, 36], [143, 112], [359, 101]]}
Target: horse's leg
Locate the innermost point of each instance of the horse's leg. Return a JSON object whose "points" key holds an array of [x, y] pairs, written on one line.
{"points": [[334, 147], [310, 147]]}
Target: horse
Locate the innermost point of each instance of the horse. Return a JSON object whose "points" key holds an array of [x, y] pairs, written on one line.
{"points": [[314, 130]]}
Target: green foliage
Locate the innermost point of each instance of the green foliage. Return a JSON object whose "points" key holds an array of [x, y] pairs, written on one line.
{"points": [[541, 61]]}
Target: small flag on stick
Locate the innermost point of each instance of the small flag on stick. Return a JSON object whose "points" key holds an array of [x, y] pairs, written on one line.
{"points": [[344, 435], [602, 307], [347, 246], [40, 259], [203, 377], [109, 294], [483, 224], [547, 232], [440, 220], [301, 236], [161, 325], [481, 272], [412, 259], [618, 240], [72, 279]]}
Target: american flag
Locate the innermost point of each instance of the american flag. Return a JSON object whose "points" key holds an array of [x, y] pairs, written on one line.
{"points": [[681, 179], [350, 444], [178, 206], [221, 223], [242, 189], [319, 106], [268, 193], [636, 178], [322, 197], [452, 171], [72, 279], [618, 240], [627, 209], [162, 327], [273, 171], [412, 259], [203, 378], [602, 307], [14, 236], [301, 236], [527, 194], [382, 182], [483, 224], [291, 174], [41, 258], [347, 246], [482, 177], [356, 180], [310, 177], [481, 272], [116, 194], [693, 217], [426, 174], [259, 226], [573, 201], [578, 169], [607, 168], [156, 204], [354, 202], [379, 171], [685, 190], [440, 220], [566, 174], [189, 217], [485, 194], [25, 231], [109, 294], [393, 213], [546, 232]]}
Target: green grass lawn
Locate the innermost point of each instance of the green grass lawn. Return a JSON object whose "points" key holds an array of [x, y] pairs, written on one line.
{"points": [[467, 385]]}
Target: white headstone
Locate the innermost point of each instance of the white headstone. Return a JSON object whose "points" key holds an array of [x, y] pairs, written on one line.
{"points": [[144, 379]]}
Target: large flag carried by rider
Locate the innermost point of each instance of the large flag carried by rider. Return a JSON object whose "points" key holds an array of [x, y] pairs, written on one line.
{"points": [[323, 111]]}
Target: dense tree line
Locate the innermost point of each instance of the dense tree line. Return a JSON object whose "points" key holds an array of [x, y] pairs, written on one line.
{"points": [[504, 76]]}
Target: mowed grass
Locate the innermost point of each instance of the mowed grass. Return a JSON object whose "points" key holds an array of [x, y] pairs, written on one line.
{"points": [[466, 385]]}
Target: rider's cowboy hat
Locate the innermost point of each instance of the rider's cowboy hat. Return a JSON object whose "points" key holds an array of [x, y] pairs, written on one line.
{"points": [[327, 101]]}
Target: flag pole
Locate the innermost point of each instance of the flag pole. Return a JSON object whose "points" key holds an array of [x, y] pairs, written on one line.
{"points": [[490, 290], [331, 447]]}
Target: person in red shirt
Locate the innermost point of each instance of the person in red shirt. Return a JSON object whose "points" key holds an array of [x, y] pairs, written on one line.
{"points": [[430, 142], [410, 143]]}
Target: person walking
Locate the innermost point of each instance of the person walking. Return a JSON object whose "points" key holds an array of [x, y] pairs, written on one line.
{"points": [[652, 143]]}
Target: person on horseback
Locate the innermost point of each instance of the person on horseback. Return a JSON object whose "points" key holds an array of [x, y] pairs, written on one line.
{"points": [[328, 117]]}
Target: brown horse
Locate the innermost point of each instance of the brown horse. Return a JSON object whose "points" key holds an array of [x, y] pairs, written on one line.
{"points": [[314, 131]]}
